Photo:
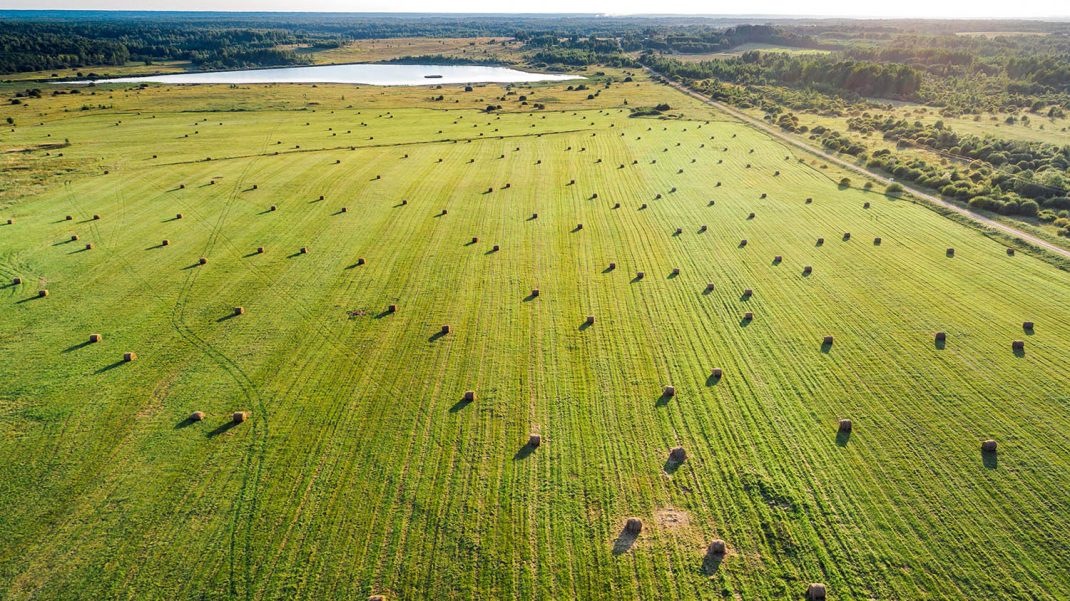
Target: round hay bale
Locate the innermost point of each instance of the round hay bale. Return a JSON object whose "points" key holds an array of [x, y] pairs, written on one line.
{"points": [[70, 218], [165, 242], [196, 416], [273, 208], [203, 261], [304, 250], [709, 287], [343, 210], [239, 310], [679, 231], [847, 236], [940, 336], [815, 591], [612, 266], [404, 202], [716, 547], [865, 205], [748, 316], [11, 221], [669, 391], [702, 228], [877, 241], [93, 338], [807, 270], [642, 206], [809, 200], [716, 373], [951, 252], [639, 275], [633, 526], [748, 293], [16, 281], [711, 203], [675, 271], [74, 237], [1027, 325], [239, 416], [1018, 345], [445, 329], [469, 396], [677, 455], [534, 292], [260, 250], [495, 248], [534, 215], [579, 226], [178, 216], [96, 217], [845, 425], [444, 212], [778, 259], [129, 357], [392, 309], [1010, 252], [616, 205], [89, 246], [534, 441], [827, 340], [590, 320], [360, 260], [743, 242], [988, 446], [42, 293], [820, 241]]}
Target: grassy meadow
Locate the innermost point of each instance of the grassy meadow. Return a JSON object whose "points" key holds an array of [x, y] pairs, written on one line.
{"points": [[361, 470]]}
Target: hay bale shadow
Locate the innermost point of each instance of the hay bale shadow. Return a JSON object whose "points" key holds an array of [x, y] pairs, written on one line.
{"points": [[707, 292], [607, 270], [435, 336], [490, 252], [842, 438], [154, 247], [75, 347], [1030, 331], [461, 404], [80, 250], [529, 298], [745, 322], [222, 429], [940, 344], [711, 563], [110, 367], [1020, 353], [672, 275], [185, 423], [384, 313], [713, 380], [193, 266], [30, 299], [523, 452], [671, 466], [226, 317], [663, 400], [584, 326], [826, 347], [990, 460], [624, 542], [294, 255]]}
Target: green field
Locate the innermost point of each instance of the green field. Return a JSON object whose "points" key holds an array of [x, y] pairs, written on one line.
{"points": [[361, 470]]}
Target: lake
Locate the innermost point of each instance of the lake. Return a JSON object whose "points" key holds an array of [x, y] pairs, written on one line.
{"points": [[379, 75]]}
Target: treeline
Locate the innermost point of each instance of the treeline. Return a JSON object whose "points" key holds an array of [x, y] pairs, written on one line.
{"points": [[1006, 176], [824, 73], [33, 46]]}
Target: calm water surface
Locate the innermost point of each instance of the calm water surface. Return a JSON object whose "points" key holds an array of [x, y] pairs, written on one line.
{"points": [[379, 75]]}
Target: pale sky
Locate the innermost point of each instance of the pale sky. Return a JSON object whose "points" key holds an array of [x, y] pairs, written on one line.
{"points": [[1025, 9]]}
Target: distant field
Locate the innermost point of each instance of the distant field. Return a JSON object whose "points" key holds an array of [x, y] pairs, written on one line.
{"points": [[377, 50], [739, 50], [361, 469], [104, 71]]}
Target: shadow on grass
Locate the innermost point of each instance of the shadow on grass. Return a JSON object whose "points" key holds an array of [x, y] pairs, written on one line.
{"points": [[671, 466], [435, 336], [222, 429], [584, 326], [529, 298], [711, 563], [826, 347], [940, 344], [663, 400], [75, 347], [189, 421], [990, 460], [30, 299], [110, 367], [623, 542], [842, 438], [1019, 353], [523, 452], [713, 380], [459, 405], [226, 317]]}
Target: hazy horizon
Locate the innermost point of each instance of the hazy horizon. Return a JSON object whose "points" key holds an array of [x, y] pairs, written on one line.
{"points": [[821, 9]]}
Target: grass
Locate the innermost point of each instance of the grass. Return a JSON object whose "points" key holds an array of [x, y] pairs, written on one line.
{"points": [[360, 470], [738, 51]]}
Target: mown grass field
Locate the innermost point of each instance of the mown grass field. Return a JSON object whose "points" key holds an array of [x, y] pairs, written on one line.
{"points": [[362, 471]]}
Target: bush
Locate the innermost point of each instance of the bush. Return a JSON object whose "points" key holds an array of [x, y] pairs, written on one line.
{"points": [[894, 189]]}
